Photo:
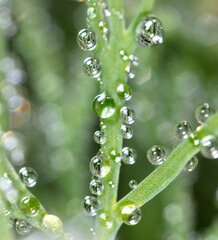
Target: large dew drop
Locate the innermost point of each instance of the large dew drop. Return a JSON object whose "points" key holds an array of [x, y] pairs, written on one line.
{"points": [[104, 106], [128, 155], [28, 176], [203, 112], [29, 206], [182, 130], [127, 115], [96, 187], [209, 147], [22, 227], [86, 39], [99, 167], [99, 137], [124, 92], [131, 215], [156, 155], [191, 164], [90, 205], [126, 131], [92, 67], [150, 32]]}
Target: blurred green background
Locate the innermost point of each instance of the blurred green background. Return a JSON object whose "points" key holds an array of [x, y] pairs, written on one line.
{"points": [[171, 81]]}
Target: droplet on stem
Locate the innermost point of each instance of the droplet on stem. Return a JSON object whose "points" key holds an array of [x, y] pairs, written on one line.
{"points": [[203, 112], [127, 115], [92, 67], [156, 155], [87, 40], [90, 205], [182, 130], [128, 155], [99, 137], [191, 164], [96, 187], [28, 176], [124, 92]]}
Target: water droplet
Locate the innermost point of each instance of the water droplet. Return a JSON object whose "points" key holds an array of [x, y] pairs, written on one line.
{"points": [[126, 131], [52, 224], [203, 112], [86, 39], [131, 215], [92, 67], [133, 184], [91, 12], [128, 155], [194, 139], [124, 55], [105, 220], [115, 156], [99, 167], [127, 115], [96, 187], [99, 137], [133, 61], [28, 176], [209, 147], [104, 106], [156, 155], [22, 227], [124, 92], [103, 27], [191, 165], [150, 32], [182, 130], [92, 230], [130, 72], [90, 205], [29, 206], [111, 184]]}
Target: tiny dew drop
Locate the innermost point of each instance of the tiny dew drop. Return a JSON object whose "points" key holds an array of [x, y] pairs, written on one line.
{"points": [[28, 176], [156, 155], [182, 130], [133, 183], [131, 215], [103, 27], [96, 187], [203, 112], [191, 164], [99, 167], [92, 230], [127, 115], [91, 12], [130, 72], [209, 147], [126, 131], [128, 155], [133, 61], [87, 39], [29, 206], [115, 156], [22, 227], [124, 92], [124, 55], [90, 205], [52, 224], [104, 106], [111, 184], [92, 67], [105, 220], [99, 137], [150, 32]]}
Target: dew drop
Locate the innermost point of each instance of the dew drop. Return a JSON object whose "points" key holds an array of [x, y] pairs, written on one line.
{"points": [[127, 115], [99, 167], [182, 130], [126, 131], [156, 155], [99, 137], [86, 39], [92, 230], [111, 184], [203, 112], [105, 220], [28, 176], [22, 227], [91, 12], [209, 147], [191, 165], [133, 183], [104, 106], [130, 72], [29, 206], [90, 205], [52, 224], [131, 215], [124, 55], [103, 27], [115, 156], [96, 187], [128, 155], [133, 61], [150, 32], [124, 92], [92, 67]]}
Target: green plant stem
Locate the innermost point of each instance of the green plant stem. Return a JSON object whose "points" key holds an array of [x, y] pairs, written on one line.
{"points": [[163, 175]]}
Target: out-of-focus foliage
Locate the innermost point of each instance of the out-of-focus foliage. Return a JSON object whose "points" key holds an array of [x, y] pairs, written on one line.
{"points": [[171, 81]]}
